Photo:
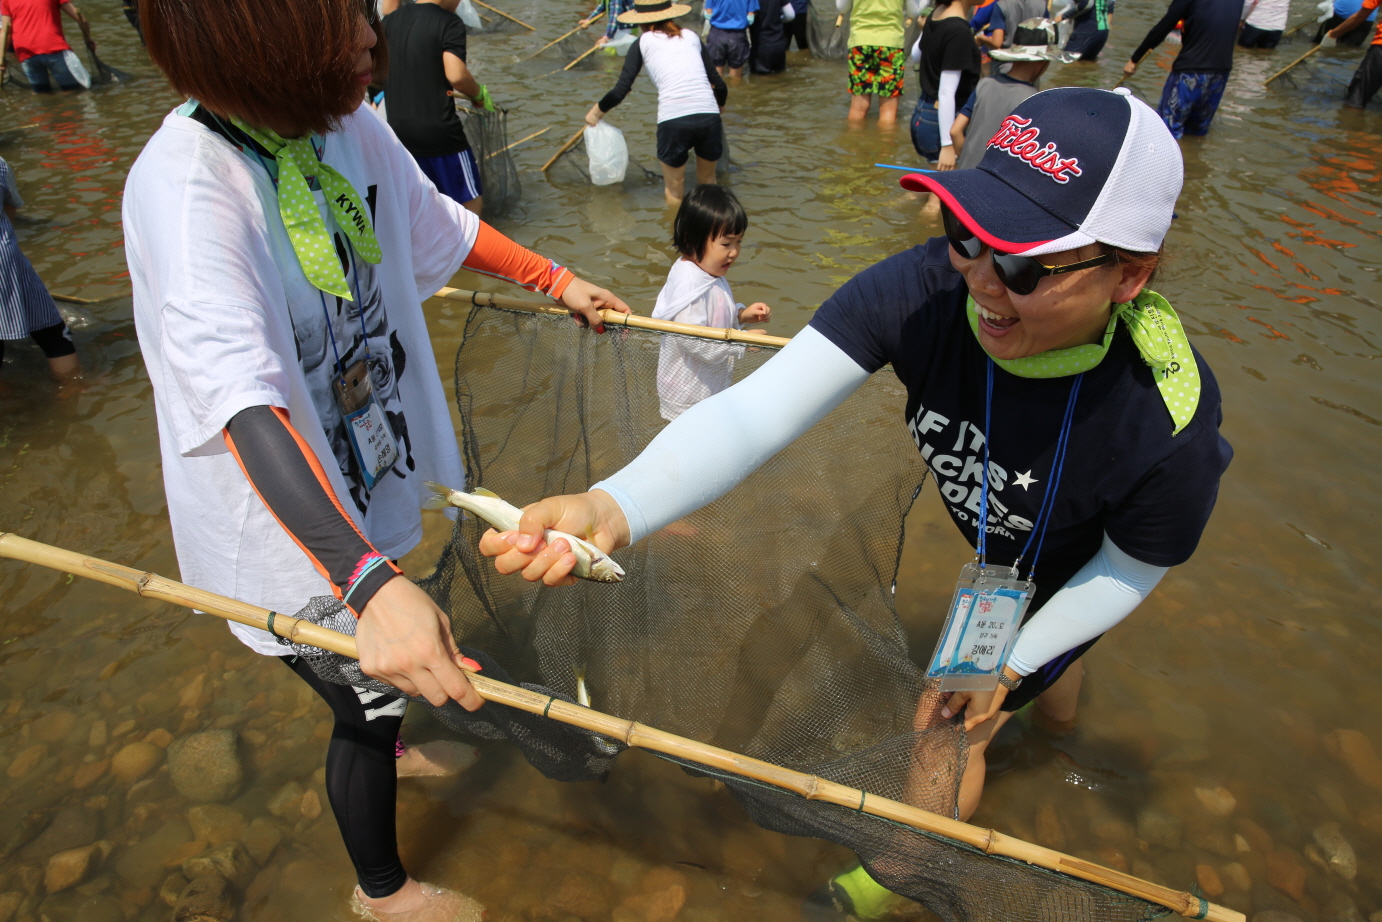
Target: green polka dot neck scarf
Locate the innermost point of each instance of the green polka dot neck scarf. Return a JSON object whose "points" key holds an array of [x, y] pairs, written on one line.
{"points": [[1159, 337], [297, 160]]}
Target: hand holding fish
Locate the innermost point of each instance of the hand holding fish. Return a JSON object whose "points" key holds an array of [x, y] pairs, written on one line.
{"points": [[405, 640], [523, 549], [585, 301]]}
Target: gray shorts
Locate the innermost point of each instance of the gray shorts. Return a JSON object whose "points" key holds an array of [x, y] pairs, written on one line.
{"points": [[728, 47]]}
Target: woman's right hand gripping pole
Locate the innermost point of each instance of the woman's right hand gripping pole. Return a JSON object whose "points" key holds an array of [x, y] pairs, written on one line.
{"points": [[594, 516]]}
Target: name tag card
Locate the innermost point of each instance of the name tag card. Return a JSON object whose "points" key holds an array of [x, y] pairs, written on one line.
{"points": [[985, 613]]}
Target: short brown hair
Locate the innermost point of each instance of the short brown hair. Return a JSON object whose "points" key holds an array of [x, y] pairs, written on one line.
{"points": [[288, 65], [1122, 257], [667, 26]]}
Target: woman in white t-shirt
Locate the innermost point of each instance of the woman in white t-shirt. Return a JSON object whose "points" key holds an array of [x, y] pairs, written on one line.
{"points": [[280, 241], [690, 93]]}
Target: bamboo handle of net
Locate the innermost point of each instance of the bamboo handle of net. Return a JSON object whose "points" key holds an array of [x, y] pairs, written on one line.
{"points": [[594, 19], [584, 54], [632, 733], [1292, 64], [505, 15], [570, 143], [614, 318]]}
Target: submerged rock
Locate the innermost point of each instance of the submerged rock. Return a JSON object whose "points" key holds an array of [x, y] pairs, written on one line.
{"points": [[135, 761], [287, 801], [1355, 750], [215, 824], [69, 868], [1276, 915], [172, 888], [89, 773], [205, 765], [206, 899], [1337, 851], [72, 827], [1209, 881], [141, 865], [1286, 874], [229, 861], [1219, 801], [26, 761], [1159, 828], [9, 904], [261, 839], [1236, 877]]}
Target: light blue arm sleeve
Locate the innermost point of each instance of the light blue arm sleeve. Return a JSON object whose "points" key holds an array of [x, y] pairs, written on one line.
{"points": [[712, 447], [1101, 594]]}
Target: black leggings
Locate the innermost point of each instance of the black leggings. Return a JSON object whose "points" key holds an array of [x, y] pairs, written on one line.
{"points": [[362, 778], [55, 341]]}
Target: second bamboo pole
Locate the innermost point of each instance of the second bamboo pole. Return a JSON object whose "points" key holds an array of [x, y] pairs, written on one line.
{"points": [[632, 733]]}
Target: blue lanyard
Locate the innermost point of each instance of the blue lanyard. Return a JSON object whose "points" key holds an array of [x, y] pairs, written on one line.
{"points": [[364, 333], [1048, 501]]}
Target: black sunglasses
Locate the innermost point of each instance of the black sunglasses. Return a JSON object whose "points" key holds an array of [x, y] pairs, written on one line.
{"points": [[1021, 274]]}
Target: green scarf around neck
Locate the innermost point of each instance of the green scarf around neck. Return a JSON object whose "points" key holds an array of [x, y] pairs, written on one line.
{"points": [[1159, 337], [297, 160]]}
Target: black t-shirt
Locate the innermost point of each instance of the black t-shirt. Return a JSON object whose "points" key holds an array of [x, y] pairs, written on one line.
{"points": [[415, 95], [1124, 472], [1211, 28], [948, 44]]}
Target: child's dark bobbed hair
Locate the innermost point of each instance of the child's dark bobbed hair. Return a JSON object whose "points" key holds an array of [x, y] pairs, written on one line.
{"points": [[707, 212]]}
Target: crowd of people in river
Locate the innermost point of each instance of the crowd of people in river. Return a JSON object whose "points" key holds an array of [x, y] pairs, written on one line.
{"points": [[281, 238]]}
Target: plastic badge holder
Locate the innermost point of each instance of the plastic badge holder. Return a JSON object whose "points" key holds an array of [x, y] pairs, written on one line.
{"points": [[984, 616], [367, 426]]}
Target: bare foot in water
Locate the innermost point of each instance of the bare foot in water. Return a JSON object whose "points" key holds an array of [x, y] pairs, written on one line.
{"points": [[418, 902], [437, 759]]}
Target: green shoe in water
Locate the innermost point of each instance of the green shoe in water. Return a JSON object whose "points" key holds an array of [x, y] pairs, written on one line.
{"points": [[851, 895]]}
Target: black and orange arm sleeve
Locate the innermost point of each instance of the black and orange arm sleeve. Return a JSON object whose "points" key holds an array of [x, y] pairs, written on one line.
{"points": [[290, 480], [496, 255]]}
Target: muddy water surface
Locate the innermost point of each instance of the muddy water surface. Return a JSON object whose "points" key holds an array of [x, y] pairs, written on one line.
{"points": [[1229, 735]]}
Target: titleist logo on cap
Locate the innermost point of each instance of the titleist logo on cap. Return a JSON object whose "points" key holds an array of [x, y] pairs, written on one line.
{"points": [[1019, 139]]}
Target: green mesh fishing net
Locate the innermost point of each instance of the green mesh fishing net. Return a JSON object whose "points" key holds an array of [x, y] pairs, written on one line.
{"points": [[763, 624]]}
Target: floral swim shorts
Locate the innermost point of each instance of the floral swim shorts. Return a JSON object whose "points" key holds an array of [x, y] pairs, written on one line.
{"points": [[877, 70]]}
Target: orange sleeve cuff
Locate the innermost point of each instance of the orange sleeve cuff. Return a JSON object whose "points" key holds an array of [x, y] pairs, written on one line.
{"points": [[499, 257]]}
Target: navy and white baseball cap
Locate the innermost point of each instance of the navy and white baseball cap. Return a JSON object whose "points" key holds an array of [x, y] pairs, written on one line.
{"points": [[1069, 167]]}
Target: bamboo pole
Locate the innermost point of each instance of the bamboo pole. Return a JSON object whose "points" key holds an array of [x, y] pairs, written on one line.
{"points": [[502, 13], [570, 143], [613, 318], [583, 55], [1294, 29], [70, 299], [630, 732], [594, 19], [1292, 64], [519, 141]]}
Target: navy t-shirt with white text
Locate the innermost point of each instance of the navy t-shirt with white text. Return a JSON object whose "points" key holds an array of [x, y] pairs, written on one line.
{"points": [[1124, 473]]}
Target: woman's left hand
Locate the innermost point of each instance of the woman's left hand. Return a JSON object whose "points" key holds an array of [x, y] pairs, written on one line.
{"points": [[978, 706], [585, 301], [592, 118], [946, 161]]}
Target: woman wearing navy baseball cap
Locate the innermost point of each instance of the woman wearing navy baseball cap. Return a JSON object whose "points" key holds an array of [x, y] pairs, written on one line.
{"points": [[1054, 397]]}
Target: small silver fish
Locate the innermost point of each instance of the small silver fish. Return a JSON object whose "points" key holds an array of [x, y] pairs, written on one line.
{"points": [[591, 562], [582, 693]]}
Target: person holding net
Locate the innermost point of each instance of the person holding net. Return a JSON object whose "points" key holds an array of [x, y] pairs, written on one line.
{"points": [[1056, 400], [280, 242]]}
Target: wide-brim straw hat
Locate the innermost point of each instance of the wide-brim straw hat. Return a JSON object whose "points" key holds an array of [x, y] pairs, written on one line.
{"points": [[654, 11], [1033, 40]]}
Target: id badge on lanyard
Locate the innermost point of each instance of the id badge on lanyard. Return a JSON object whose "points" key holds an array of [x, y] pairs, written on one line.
{"points": [[991, 601], [987, 608], [367, 425]]}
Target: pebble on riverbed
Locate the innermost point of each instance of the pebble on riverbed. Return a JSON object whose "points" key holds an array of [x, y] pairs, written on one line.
{"points": [[206, 899], [1338, 853], [135, 761]]}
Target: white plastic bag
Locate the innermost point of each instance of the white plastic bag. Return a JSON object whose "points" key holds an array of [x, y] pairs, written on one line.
{"points": [[609, 155], [466, 10]]}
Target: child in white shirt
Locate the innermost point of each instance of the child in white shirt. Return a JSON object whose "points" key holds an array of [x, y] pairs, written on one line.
{"points": [[708, 232]]}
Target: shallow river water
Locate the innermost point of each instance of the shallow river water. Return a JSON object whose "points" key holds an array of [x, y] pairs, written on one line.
{"points": [[1224, 726]]}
